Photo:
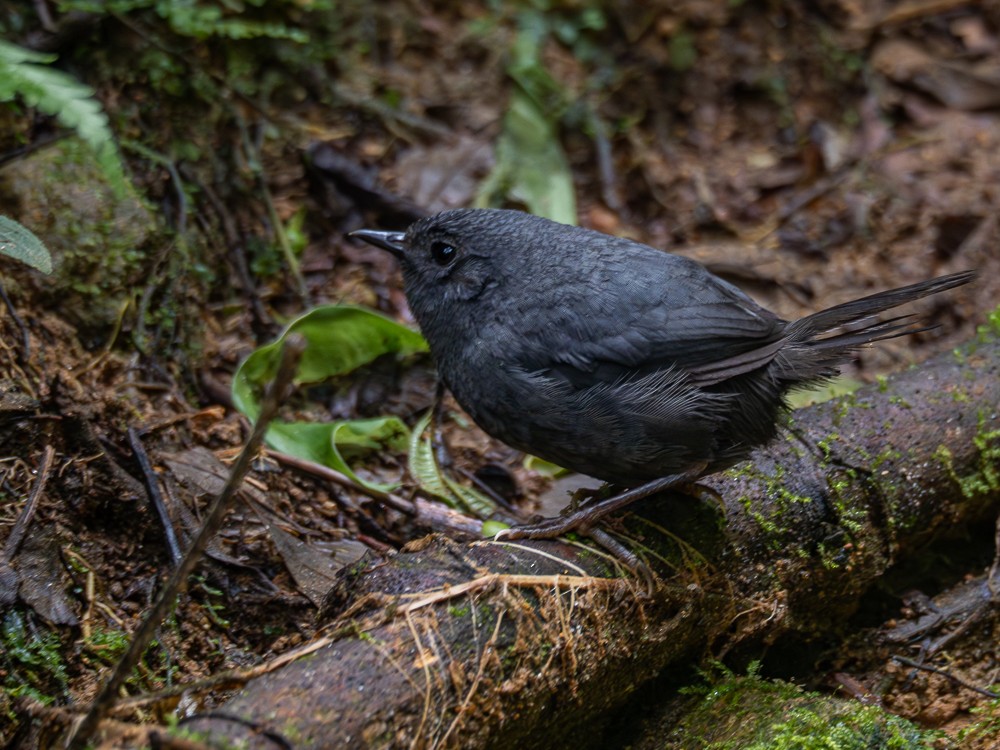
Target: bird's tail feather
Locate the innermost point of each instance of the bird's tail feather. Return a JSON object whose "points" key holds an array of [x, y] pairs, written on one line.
{"points": [[857, 310], [815, 346]]}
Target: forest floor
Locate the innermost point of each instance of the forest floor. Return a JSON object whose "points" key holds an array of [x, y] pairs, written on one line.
{"points": [[808, 155]]}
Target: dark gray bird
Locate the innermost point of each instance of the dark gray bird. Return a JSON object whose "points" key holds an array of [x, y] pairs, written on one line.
{"points": [[611, 358]]}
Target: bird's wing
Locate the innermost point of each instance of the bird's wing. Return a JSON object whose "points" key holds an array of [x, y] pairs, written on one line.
{"points": [[653, 311]]}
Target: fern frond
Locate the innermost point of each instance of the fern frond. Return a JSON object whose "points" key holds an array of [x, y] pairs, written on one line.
{"points": [[26, 73]]}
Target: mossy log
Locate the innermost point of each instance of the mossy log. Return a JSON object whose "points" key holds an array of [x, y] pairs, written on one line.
{"points": [[534, 644]]}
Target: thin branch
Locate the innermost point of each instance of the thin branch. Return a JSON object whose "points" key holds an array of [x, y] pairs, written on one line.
{"points": [[155, 496], [291, 353], [28, 513], [957, 680], [25, 338]]}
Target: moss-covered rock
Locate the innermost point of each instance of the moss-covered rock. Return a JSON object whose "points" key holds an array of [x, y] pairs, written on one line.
{"points": [[97, 238], [749, 713]]}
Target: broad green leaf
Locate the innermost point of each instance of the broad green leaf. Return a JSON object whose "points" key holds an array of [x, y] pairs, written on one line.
{"points": [[428, 474], [340, 338], [331, 443], [531, 166], [17, 241]]}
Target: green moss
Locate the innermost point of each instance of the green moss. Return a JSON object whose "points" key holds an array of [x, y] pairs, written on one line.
{"points": [[985, 732], [107, 645], [749, 713], [206, 739], [846, 404], [986, 477], [98, 240], [889, 454], [775, 487], [32, 661], [826, 445], [991, 328], [851, 515]]}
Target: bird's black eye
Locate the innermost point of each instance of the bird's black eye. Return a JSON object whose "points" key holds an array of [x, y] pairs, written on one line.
{"points": [[443, 253]]}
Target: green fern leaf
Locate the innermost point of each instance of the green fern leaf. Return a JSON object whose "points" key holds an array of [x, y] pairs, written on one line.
{"points": [[26, 74]]}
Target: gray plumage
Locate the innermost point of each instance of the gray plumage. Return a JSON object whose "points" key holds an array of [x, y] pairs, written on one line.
{"points": [[609, 357]]}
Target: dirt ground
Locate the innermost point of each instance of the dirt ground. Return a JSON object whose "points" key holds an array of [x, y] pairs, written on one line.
{"points": [[809, 153]]}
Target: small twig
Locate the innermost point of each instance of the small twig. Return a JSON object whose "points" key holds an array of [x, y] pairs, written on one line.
{"points": [[27, 150], [291, 353], [485, 655], [610, 193], [915, 10], [168, 164], [434, 515], [28, 513], [128, 734], [428, 598], [230, 677], [991, 577], [282, 237], [25, 338], [373, 105], [112, 338], [155, 496], [957, 680], [278, 739], [542, 553], [44, 16]]}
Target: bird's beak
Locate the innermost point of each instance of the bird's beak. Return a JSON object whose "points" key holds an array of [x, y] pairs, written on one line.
{"points": [[391, 241]]}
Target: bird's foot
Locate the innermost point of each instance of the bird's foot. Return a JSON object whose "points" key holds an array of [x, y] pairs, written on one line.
{"points": [[584, 518], [586, 514]]}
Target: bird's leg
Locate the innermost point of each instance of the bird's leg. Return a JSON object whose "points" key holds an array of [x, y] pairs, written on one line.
{"points": [[582, 518]]}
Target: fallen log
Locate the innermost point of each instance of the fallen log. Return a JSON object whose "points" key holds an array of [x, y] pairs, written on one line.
{"points": [[534, 644]]}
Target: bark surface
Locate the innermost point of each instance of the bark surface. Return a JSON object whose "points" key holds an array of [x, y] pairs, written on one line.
{"points": [[534, 644]]}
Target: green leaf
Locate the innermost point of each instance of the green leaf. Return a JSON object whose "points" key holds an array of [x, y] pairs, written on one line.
{"points": [[492, 528], [543, 467], [27, 74], [340, 338], [531, 166], [330, 443], [839, 386], [17, 241], [428, 474]]}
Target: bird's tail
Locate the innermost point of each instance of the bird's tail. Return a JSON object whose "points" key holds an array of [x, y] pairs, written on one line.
{"points": [[818, 343]]}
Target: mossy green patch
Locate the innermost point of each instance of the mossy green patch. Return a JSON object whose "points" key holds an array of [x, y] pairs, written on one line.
{"points": [[32, 661], [985, 478], [985, 731], [98, 240], [749, 713], [991, 328]]}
